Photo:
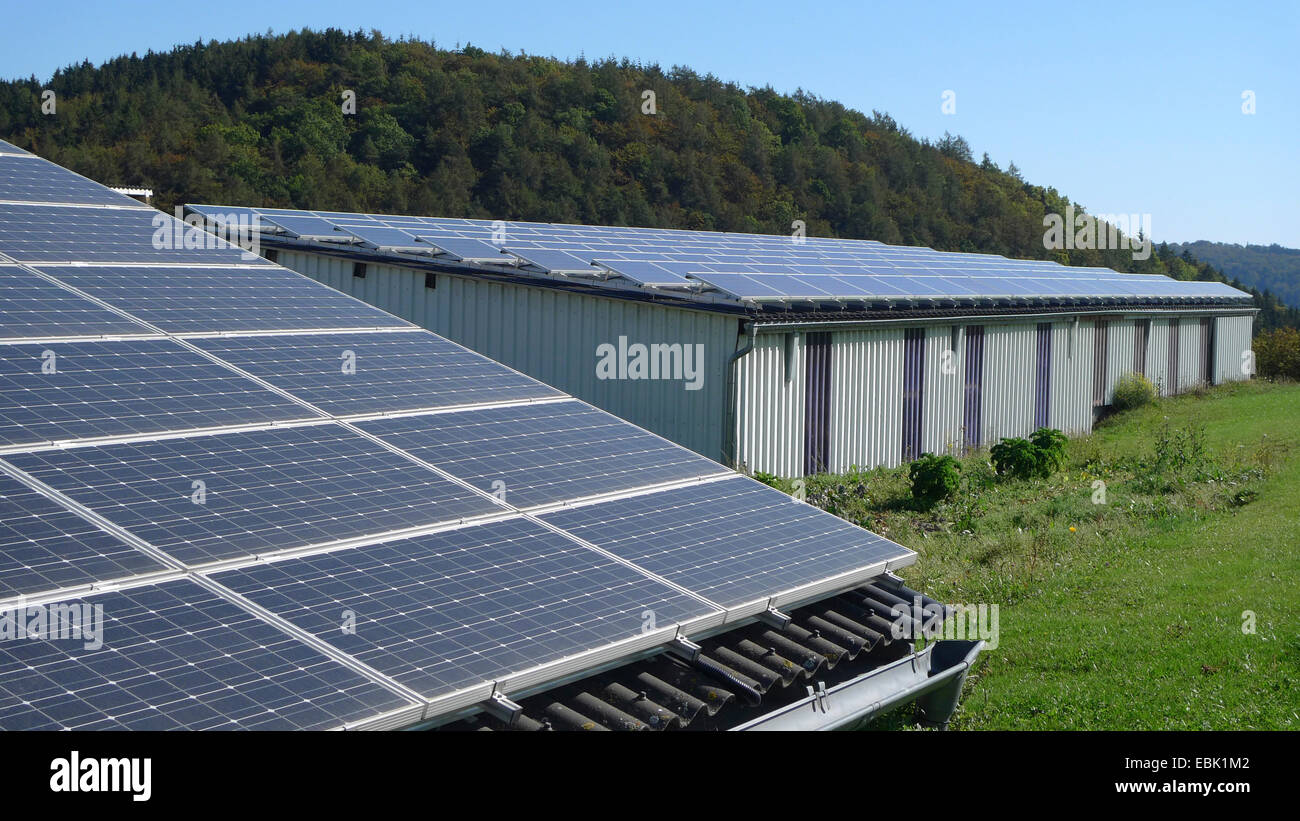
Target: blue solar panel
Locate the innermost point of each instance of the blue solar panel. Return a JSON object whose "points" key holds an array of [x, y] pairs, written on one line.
{"points": [[10, 148], [32, 307], [176, 656], [388, 371], [262, 490], [542, 453], [378, 236], [306, 226], [731, 541], [196, 300], [448, 610], [30, 179], [45, 233], [124, 388], [45, 547], [466, 249]]}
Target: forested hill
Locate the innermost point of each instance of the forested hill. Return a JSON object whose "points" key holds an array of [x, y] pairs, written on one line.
{"points": [[1271, 267], [261, 121]]}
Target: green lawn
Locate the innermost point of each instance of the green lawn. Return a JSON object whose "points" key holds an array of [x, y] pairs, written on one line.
{"points": [[1134, 619]]}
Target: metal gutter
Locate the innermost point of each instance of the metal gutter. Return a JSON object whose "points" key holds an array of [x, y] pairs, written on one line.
{"points": [[774, 326]]}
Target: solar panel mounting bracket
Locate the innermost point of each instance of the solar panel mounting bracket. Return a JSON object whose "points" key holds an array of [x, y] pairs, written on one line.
{"points": [[774, 618], [502, 709], [684, 649]]}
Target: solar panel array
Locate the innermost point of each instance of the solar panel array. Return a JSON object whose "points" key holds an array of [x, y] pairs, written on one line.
{"points": [[255, 502], [744, 268]]}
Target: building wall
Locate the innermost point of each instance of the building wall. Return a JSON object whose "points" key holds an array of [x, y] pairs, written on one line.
{"points": [[1232, 338], [553, 336], [770, 405], [1071, 394], [867, 398]]}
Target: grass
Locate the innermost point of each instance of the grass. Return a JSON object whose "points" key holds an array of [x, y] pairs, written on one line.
{"points": [[1126, 614]]}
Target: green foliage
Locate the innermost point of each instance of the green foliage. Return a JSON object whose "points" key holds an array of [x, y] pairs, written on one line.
{"points": [[933, 478], [768, 479], [1133, 390], [1277, 354], [1017, 458], [1051, 448]]}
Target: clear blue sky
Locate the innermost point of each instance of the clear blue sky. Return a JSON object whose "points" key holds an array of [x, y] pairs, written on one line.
{"points": [[1126, 107]]}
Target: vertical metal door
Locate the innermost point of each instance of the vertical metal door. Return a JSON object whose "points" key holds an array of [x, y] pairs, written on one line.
{"points": [[817, 403], [973, 392], [913, 391]]}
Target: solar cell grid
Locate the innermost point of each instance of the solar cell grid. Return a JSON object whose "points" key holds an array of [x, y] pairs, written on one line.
{"points": [[542, 453], [448, 610], [261, 491], [197, 300], [359, 373], [46, 233], [45, 547], [33, 307], [79, 390], [30, 179], [731, 541], [176, 656]]}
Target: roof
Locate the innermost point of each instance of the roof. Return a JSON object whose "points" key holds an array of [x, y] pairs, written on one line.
{"points": [[292, 510], [713, 269]]}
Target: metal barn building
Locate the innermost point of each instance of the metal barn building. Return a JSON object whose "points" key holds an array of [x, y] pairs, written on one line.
{"points": [[771, 353]]}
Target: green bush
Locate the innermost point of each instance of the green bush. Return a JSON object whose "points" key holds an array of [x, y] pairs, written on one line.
{"points": [[1033, 458], [934, 478], [1277, 354], [768, 479], [1015, 458], [1133, 390]]}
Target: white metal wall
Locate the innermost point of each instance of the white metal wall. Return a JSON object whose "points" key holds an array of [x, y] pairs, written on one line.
{"points": [[941, 404], [1232, 346], [1120, 352], [1009, 372], [1189, 353], [866, 398], [770, 405], [1071, 394], [1158, 356], [553, 336]]}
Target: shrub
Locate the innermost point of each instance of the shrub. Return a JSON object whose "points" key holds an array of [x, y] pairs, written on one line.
{"points": [[1051, 447], [1277, 354], [1016, 458], [1036, 457], [768, 479], [934, 478], [1133, 390]]}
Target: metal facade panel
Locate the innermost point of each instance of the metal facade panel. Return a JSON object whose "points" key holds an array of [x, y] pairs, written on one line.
{"points": [[941, 420], [972, 399], [770, 406], [554, 335], [817, 402], [1190, 350], [1232, 348], [1158, 355], [913, 391], [1119, 348], [1008, 368], [1071, 409], [1043, 375], [867, 391]]}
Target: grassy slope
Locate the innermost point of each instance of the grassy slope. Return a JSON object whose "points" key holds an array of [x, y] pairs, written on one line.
{"points": [[1134, 620]]}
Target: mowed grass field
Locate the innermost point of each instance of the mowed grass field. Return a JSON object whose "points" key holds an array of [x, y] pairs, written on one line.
{"points": [[1125, 612]]}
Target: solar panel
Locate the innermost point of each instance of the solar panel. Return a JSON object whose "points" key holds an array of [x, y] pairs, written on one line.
{"points": [[78, 390], [361, 373], [731, 541], [449, 610], [45, 547], [542, 453], [308, 227], [10, 148], [466, 249], [33, 307], [646, 273], [379, 236], [176, 656], [45, 233], [197, 300], [30, 179], [261, 491], [557, 262]]}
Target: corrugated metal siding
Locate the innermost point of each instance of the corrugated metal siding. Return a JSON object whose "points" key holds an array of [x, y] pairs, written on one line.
{"points": [[945, 363], [1008, 380], [553, 336], [1189, 353], [1072, 377], [770, 407], [1232, 338], [1158, 356], [1120, 347], [867, 398]]}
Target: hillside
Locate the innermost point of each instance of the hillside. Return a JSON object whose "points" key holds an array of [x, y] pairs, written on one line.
{"points": [[1267, 267], [260, 121]]}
